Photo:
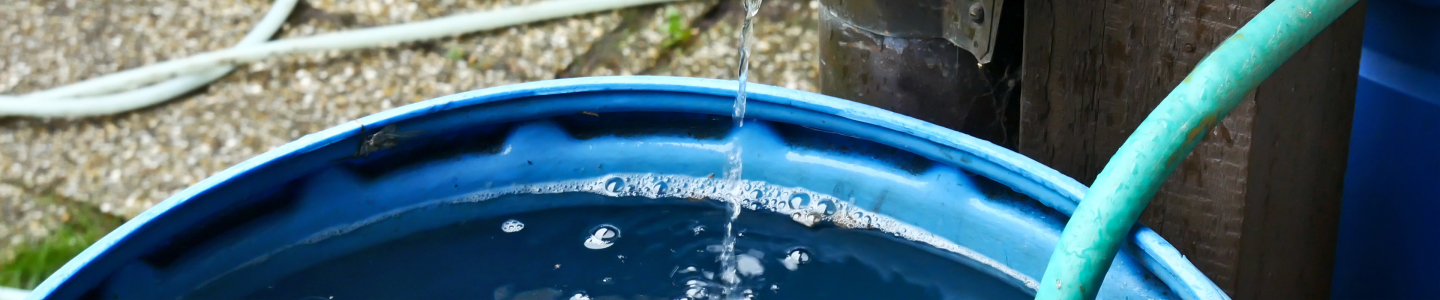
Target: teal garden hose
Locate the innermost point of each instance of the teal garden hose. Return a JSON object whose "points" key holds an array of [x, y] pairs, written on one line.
{"points": [[1216, 85]]}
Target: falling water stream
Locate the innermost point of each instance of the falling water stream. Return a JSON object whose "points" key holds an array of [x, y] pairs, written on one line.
{"points": [[752, 7], [728, 260]]}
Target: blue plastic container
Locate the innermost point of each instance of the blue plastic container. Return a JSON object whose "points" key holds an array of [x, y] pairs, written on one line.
{"points": [[1387, 243], [350, 188]]}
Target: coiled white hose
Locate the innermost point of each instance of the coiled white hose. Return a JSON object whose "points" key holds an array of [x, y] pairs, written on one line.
{"points": [[142, 97], [12, 293], [62, 101]]}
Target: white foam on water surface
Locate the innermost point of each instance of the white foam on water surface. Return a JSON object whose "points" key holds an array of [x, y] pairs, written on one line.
{"points": [[803, 205], [512, 226]]}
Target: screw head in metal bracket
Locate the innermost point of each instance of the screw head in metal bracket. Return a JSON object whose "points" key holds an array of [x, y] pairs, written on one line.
{"points": [[977, 12], [972, 25]]}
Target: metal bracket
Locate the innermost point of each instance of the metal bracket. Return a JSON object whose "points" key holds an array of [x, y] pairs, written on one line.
{"points": [[893, 18], [971, 25]]}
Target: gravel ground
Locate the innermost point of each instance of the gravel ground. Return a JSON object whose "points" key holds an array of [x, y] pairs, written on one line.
{"points": [[125, 163]]}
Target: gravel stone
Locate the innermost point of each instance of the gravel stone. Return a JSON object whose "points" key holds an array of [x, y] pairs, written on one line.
{"points": [[785, 51], [124, 164]]}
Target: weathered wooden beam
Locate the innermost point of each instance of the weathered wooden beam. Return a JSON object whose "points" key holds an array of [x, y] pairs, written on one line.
{"points": [[1255, 206]]}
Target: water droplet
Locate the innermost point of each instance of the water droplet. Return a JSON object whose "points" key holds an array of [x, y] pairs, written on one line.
{"points": [[698, 229], [602, 237], [615, 185], [796, 258], [607, 280], [512, 226], [580, 296]]}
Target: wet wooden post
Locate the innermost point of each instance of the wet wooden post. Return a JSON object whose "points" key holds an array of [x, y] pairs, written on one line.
{"points": [[1256, 205], [919, 58]]}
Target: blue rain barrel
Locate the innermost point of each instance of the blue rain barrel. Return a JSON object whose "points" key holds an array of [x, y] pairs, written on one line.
{"points": [[1387, 243], [614, 188]]}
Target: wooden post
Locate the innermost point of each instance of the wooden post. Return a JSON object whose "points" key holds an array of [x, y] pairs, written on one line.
{"points": [[1256, 205]]}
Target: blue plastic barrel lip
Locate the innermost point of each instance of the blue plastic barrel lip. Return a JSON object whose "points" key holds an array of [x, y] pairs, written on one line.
{"points": [[1011, 161], [1157, 255], [1404, 78]]}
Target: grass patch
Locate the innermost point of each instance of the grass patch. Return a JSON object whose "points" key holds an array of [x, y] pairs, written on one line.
{"points": [[34, 262], [455, 53], [679, 32]]}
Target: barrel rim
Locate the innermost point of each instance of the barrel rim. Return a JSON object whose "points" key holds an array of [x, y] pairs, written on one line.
{"points": [[1060, 192]]}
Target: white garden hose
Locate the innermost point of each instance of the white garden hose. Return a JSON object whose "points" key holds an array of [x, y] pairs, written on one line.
{"points": [[55, 102], [142, 97], [13, 293]]}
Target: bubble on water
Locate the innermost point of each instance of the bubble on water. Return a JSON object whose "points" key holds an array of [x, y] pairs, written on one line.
{"points": [[661, 188], [615, 185], [695, 290], [799, 200], [861, 217], [851, 217], [511, 226], [804, 218], [796, 258], [602, 237], [827, 206], [749, 265], [580, 296]]}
